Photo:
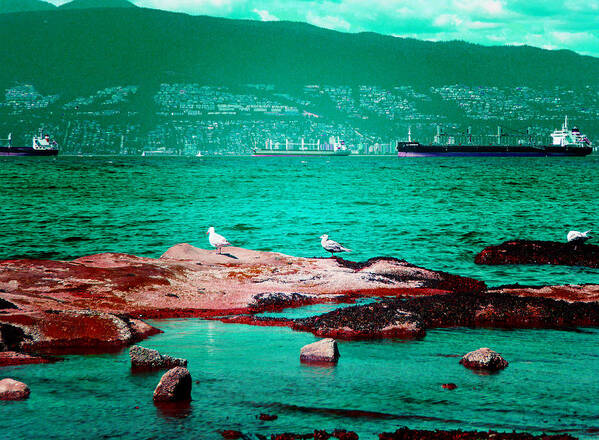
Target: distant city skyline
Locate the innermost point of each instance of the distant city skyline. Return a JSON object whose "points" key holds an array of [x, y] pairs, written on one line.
{"points": [[559, 24]]}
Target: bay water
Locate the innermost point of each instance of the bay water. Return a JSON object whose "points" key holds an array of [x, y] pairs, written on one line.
{"points": [[434, 212]]}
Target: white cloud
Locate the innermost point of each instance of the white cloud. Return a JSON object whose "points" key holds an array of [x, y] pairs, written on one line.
{"points": [[447, 20], [265, 15], [328, 21]]}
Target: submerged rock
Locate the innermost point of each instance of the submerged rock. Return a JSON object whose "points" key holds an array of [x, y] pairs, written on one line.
{"points": [[15, 358], [540, 252], [268, 417], [148, 359], [11, 389], [324, 351], [418, 434], [175, 385], [484, 359]]}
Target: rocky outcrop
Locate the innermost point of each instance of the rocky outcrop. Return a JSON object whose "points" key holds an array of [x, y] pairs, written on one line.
{"points": [[149, 359], [386, 319], [324, 351], [409, 318], [95, 303], [11, 389], [174, 386], [540, 252], [484, 359]]}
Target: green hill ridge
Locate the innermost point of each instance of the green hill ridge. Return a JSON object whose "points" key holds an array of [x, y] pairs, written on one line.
{"points": [[95, 4], [86, 49], [11, 6]]}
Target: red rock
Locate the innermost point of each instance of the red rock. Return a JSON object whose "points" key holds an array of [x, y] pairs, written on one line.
{"points": [[321, 435], [175, 385], [484, 359], [11, 389], [268, 417], [342, 434], [449, 386], [88, 304], [324, 351], [231, 434]]}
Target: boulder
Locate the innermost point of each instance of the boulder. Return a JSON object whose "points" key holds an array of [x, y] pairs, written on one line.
{"points": [[323, 351], [174, 386], [11, 389], [148, 359], [484, 359]]}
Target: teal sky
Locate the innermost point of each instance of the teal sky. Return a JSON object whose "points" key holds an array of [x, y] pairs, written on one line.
{"points": [[550, 24]]}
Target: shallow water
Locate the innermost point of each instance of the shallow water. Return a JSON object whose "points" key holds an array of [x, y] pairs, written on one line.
{"points": [[434, 212], [550, 385]]}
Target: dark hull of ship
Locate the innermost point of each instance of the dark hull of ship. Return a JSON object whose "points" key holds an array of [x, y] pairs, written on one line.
{"points": [[26, 151], [415, 149]]}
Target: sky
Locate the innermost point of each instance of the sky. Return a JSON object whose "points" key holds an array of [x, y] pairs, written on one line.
{"points": [[550, 24]]}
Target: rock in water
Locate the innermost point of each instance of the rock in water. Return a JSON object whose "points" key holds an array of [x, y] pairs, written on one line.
{"points": [[11, 389], [174, 386], [148, 359], [324, 351], [484, 359]]}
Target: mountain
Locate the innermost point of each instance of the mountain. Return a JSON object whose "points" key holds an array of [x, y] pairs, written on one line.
{"points": [[95, 4], [79, 50], [10, 6]]}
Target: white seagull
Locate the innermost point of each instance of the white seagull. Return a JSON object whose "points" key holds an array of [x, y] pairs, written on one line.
{"points": [[217, 240], [331, 246], [578, 237]]}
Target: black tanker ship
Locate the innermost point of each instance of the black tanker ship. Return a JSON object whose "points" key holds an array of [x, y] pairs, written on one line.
{"points": [[565, 142]]}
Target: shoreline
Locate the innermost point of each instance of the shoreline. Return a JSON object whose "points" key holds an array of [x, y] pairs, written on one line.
{"points": [[97, 303]]}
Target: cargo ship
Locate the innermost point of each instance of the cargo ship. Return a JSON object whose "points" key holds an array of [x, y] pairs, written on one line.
{"points": [[41, 145], [335, 147], [564, 142]]}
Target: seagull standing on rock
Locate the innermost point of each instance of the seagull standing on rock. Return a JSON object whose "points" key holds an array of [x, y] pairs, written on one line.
{"points": [[331, 246], [578, 237], [217, 240]]}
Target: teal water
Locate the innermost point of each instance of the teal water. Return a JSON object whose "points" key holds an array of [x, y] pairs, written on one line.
{"points": [[550, 385], [433, 212]]}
